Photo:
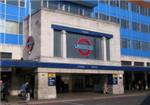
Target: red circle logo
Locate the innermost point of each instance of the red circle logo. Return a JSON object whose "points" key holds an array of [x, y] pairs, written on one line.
{"points": [[30, 43], [84, 46]]}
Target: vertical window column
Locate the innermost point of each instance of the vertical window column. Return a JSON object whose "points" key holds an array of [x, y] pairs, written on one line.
{"points": [[63, 44], [104, 49]]}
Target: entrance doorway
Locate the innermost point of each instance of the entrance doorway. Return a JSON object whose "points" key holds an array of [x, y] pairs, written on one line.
{"points": [[80, 82]]}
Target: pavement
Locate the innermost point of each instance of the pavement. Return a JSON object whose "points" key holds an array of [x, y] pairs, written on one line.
{"points": [[74, 97]]}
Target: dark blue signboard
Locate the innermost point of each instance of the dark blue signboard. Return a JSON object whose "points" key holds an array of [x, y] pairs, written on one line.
{"points": [[51, 79]]}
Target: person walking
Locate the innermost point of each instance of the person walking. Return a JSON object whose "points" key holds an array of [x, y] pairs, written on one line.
{"points": [[5, 92], [27, 89], [1, 89]]}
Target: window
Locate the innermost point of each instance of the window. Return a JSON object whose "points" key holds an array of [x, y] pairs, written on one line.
{"points": [[5, 55], [149, 12], [145, 46], [22, 3], [73, 9], [2, 1], [123, 4], [20, 28], [53, 5], [36, 5], [2, 28], [135, 8], [138, 63], [108, 49], [57, 43], [137, 45], [103, 17], [126, 63], [44, 4], [12, 2], [114, 19], [124, 23], [125, 43], [81, 11], [104, 1], [148, 64], [114, 3], [144, 28], [136, 26], [143, 11], [12, 27]]}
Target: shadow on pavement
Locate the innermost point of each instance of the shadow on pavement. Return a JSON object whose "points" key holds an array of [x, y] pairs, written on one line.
{"points": [[146, 101]]}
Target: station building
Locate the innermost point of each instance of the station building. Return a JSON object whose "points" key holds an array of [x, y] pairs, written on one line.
{"points": [[62, 49]]}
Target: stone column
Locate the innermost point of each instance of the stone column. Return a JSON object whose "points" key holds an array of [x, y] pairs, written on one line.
{"points": [[42, 90], [63, 44], [118, 87], [104, 49]]}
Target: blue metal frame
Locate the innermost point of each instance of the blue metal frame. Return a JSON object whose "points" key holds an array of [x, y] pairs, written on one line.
{"points": [[127, 33], [34, 64], [81, 31], [11, 39]]}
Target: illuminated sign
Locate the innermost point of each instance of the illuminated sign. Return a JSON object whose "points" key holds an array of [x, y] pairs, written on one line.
{"points": [[84, 46]]}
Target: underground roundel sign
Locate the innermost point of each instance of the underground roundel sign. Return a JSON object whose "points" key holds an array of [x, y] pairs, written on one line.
{"points": [[29, 43], [84, 46]]}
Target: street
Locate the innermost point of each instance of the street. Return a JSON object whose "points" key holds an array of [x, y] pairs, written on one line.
{"points": [[113, 100]]}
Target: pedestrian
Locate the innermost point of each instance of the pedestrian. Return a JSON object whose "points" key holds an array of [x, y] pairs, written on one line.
{"points": [[5, 92], [140, 84], [22, 91], [105, 88], [28, 90], [1, 89]]}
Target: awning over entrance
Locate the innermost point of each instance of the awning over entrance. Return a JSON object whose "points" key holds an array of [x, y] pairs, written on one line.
{"points": [[34, 64]]}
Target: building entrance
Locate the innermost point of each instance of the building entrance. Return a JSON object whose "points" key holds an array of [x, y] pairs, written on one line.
{"points": [[80, 82]]}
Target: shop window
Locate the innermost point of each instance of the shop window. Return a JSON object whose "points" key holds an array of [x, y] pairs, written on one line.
{"points": [[12, 27]]}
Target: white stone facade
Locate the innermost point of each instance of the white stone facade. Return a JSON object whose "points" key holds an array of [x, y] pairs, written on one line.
{"points": [[43, 49]]}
